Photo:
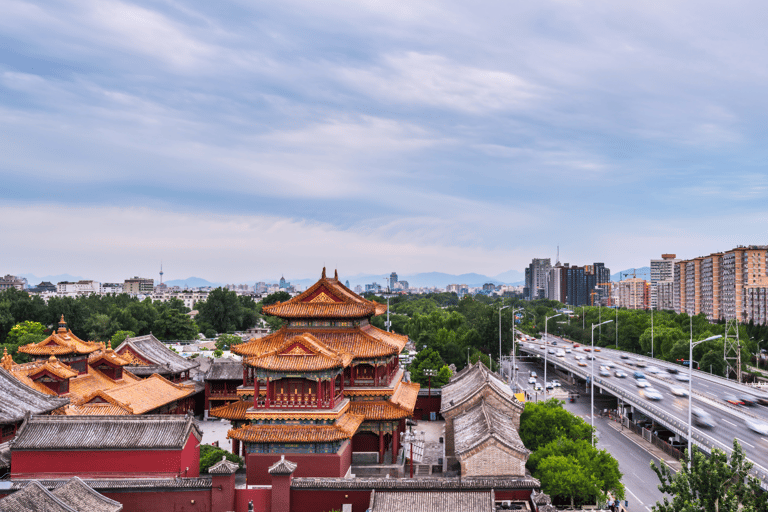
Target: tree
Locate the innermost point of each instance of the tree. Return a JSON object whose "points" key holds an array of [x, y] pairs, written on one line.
{"points": [[562, 476], [715, 483], [428, 359], [26, 332], [543, 422], [226, 341], [275, 297], [210, 455], [120, 337], [175, 325]]}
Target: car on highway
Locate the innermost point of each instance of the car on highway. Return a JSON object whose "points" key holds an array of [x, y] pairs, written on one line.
{"points": [[578, 357], [759, 427], [678, 391], [576, 345], [610, 365], [702, 418], [587, 349], [619, 374], [551, 351], [531, 380], [604, 372], [732, 400], [624, 356], [672, 370], [560, 353], [748, 400], [642, 383], [639, 375], [682, 377], [597, 349], [582, 363], [533, 374], [567, 351], [550, 385], [537, 386], [640, 363], [653, 369], [652, 394], [556, 383]]}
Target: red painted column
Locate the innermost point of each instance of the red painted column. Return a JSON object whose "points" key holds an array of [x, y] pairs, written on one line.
{"points": [[333, 393], [352, 370], [342, 386], [395, 445], [376, 375], [245, 375], [269, 395], [381, 447], [235, 446], [256, 392]]}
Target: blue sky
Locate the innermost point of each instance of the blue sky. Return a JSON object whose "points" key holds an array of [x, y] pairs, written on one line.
{"points": [[236, 141]]}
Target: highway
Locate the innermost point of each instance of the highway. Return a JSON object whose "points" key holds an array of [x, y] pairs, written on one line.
{"points": [[670, 411]]}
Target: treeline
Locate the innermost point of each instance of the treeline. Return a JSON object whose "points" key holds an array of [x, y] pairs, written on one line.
{"points": [[101, 318]]}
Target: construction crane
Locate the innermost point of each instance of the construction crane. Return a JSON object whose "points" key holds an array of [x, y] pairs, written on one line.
{"points": [[634, 274]]}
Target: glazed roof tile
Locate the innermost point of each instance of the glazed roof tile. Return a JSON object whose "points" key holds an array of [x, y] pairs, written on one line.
{"points": [[16, 399], [146, 395], [234, 411], [152, 349], [299, 413], [61, 342], [379, 410], [55, 367], [108, 355], [344, 428], [366, 342], [301, 353], [432, 501], [105, 432], [406, 394], [327, 298], [469, 384], [84, 499], [482, 422]]}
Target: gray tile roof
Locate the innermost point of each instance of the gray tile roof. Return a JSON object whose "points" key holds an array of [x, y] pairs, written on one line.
{"points": [[482, 422], [224, 467], [16, 399], [105, 432], [432, 501], [282, 467], [129, 484], [225, 371], [425, 484], [165, 360], [82, 498], [471, 382], [33, 497]]}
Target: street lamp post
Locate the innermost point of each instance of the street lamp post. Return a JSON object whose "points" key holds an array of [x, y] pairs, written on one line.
{"points": [[513, 322], [592, 380], [546, 341], [429, 372], [514, 340], [616, 307], [690, 379]]}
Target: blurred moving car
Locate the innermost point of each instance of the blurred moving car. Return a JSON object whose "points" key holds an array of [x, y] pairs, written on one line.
{"points": [[748, 400], [567, 351], [652, 394], [582, 363], [702, 418], [531, 380], [604, 372], [759, 427], [620, 374], [550, 385], [682, 377], [732, 400], [537, 386], [624, 356], [639, 363], [672, 370], [556, 383], [639, 375], [642, 383], [653, 369], [678, 391]]}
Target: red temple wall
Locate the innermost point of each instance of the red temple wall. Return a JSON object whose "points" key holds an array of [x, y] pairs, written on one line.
{"points": [[111, 463], [365, 442], [308, 464], [306, 500], [197, 500], [425, 405], [262, 499]]}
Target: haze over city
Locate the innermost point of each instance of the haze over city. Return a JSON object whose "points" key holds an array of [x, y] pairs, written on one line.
{"points": [[254, 140]]}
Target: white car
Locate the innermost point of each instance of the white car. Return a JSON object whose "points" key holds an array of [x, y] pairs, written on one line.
{"points": [[678, 391], [653, 369], [682, 377], [642, 383], [759, 427], [531, 380], [537, 386], [652, 394]]}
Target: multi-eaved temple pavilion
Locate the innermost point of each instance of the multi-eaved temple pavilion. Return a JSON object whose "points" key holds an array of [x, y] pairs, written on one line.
{"points": [[326, 384]]}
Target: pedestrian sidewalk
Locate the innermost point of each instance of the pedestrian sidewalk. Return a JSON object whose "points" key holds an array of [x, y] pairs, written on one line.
{"points": [[649, 447]]}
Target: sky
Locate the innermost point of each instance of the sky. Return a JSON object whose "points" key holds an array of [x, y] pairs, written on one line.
{"points": [[241, 140]]}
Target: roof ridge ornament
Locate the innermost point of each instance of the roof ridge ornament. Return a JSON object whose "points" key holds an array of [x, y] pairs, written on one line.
{"points": [[323, 276]]}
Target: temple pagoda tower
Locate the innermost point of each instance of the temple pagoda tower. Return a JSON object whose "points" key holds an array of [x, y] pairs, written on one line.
{"points": [[65, 346], [326, 384]]}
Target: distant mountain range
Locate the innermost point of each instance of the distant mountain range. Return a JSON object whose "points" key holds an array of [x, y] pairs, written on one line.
{"points": [[33, 280], [193, 282]]}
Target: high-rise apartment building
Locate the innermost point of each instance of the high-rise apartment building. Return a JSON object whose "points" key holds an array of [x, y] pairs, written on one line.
{"points": [[139, 286], [392, 280], [661, 270], [557, 285], [536, 276], [633, 293], [665, 295]]}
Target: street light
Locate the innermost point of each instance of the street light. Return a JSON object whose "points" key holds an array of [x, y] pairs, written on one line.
{"points": [[690, 378], [592, 380], [513, 322], [514, 360], [429, 372], [410, 438], [616, 307], [546, 340]]}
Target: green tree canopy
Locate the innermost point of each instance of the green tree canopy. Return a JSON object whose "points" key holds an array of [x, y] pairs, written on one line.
{"points": [[712, 484], [210, 455], [120, 337], [544, 422]]}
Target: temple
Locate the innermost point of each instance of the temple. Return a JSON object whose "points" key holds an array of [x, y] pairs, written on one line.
{"points": [[326, 384], [96, 380]]}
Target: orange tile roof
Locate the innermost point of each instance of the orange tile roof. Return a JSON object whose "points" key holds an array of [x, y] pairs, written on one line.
{"points": [[299, 414], [55, 367], [344, 428], [365, 342], [149, 394], [406, 394], [61, 342], [109, 355], [86, 384], [233, 411], [300, 353], [327, 298], [379, 410]]}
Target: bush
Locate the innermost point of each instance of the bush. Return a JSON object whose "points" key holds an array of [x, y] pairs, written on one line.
{"points": [[210, 455]]}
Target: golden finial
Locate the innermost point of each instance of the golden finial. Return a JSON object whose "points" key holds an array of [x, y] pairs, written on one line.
{"points": [[7, 360], [323, 276], [336, 274]]}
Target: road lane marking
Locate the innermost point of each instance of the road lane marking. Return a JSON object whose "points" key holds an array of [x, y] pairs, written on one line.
{"points": [[746, 443], [633, 494], [728, 422]]}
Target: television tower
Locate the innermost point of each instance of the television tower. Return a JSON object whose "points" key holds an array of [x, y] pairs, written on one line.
{"points": [[161, 272]]}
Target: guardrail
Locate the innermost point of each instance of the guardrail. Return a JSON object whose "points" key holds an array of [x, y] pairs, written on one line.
{"points": [[670, 422]]}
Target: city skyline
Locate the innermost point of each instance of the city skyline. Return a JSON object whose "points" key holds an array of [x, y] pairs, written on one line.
{"points": [[429, 137]]}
